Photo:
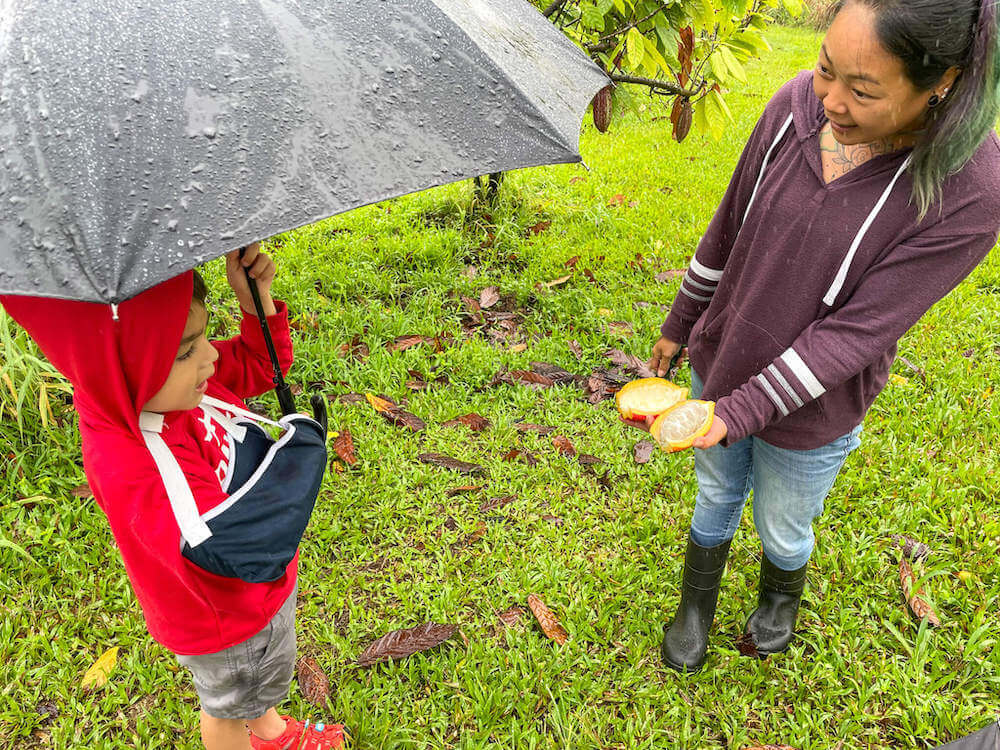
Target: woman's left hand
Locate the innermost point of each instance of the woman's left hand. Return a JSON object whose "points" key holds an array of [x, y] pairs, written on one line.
{"points": [[715, 433]]}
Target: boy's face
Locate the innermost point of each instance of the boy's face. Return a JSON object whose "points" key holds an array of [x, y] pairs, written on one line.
{"points": [[193, 366]]}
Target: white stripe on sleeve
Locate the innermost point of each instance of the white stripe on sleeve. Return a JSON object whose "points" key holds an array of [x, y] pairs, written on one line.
{"points": [[773, 394], [711, 274], [703, 287], [809, 381], [776, 374], [696, 297]]}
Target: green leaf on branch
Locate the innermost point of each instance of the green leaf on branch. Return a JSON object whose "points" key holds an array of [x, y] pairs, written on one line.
{"points": [[592, 17], [794, 7], [635, 48], [732, 64]]}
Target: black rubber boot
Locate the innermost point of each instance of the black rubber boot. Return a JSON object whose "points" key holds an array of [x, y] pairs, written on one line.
{"points": [[772, 624], [685, 640]]}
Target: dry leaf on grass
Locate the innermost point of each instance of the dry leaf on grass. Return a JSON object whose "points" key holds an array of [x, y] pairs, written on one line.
{"points": [[343, 446], [395, 414], [447, 462], [912, 549], [473, 421], [488, 297], [550, 625], [563, 445], [402, 643], [632, 364], [672, 273], [556, 282], [496, 502], [313, 682], [574, 346], [82, 490], [463, 489], [746, 646], [643, 451], [555, 373], [478, 533], [97, 675], [541, 429], [402, 343], [914, 598], [511, 617]]}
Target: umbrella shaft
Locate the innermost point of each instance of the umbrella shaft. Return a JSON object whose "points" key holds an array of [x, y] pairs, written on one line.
{"points": [[282, 390]]}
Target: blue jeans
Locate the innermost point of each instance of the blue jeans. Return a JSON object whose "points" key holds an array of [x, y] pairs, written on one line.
{"points": [[789, 487]]}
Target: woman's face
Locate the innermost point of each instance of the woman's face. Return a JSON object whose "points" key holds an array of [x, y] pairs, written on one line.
{"points": [[864, 88]]}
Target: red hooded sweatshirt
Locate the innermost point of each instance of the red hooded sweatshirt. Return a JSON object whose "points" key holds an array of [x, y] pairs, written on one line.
{"points": [[115, 367]]}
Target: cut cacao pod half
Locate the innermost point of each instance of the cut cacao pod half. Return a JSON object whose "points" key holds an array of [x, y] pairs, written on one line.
{"points": [[677, 428], [648, 397]]}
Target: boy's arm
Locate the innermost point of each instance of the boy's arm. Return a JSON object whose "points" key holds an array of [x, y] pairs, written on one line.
{"points": [[244, 366]]}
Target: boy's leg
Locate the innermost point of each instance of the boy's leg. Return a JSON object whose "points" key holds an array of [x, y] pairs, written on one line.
{"points": [[224, 734], [789, 489]]}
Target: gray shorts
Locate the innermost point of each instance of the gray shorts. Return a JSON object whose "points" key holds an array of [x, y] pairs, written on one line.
{"points": [[245, 680]]}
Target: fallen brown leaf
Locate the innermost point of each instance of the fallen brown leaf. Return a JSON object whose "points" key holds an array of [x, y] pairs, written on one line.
{"points": [[402, 343], [529, 377], [463, 489], [574, 346], [538, 228], [571, 263], [511, 617], [343, 446], [621, 328], [541, 429], [550, 625], [914, 598], [643, 451], [617, 200], [673, 273], [912, 549], [563, 445], [313, 682], [557, 282], [473, 421], [488, 297], [632, 364], [402, 643], [555, 373], [472, 538], [496, 502], [447, 462], [82, 490], [586, 459]]}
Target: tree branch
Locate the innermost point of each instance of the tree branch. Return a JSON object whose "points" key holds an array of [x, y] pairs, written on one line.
{"points": [[553, 7], [668, 88]]}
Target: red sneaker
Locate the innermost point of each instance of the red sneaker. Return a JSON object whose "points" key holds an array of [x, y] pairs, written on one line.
{"points": [[302, 735]]}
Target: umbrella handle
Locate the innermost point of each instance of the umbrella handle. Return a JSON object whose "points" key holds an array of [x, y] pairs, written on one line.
{"points": [[281, 389]]}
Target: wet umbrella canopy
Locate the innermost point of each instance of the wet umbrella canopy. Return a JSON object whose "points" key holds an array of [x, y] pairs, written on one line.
{"points": [[140, 139]]}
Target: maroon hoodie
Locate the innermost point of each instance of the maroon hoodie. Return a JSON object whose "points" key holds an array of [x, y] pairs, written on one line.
{"points": [[799, 291]]}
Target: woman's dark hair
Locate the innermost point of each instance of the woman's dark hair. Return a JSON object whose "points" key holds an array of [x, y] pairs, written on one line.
{"points": [[200, 290], [931, 36]]}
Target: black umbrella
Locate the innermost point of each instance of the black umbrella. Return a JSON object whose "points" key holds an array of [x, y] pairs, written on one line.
{"points": [[138, 140], [987, 738]]}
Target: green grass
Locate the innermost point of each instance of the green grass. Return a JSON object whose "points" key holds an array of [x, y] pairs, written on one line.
{"points": [[379, 556]]}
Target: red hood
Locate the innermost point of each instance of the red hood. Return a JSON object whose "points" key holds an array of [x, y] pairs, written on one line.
{"points": [[115, 366]]}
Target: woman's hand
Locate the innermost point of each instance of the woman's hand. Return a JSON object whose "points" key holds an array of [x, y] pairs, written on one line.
{"points": [[261, 269], [715, 433], [663, 351]]}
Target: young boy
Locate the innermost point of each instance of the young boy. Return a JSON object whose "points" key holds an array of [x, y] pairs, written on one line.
{"points": [[149, 358]]}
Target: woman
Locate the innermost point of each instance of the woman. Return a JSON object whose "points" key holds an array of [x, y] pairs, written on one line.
{"points": [[869, 189]]}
